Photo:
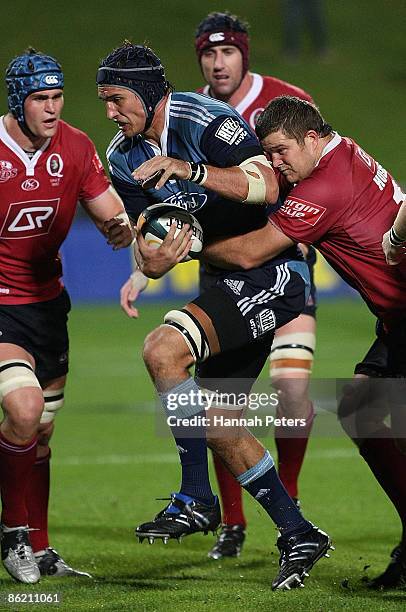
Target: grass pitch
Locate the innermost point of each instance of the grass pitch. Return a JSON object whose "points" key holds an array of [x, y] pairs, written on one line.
{"points": [[109, 465]]}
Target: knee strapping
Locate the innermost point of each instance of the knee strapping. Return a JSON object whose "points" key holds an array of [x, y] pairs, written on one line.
{"points": [[53, 402], [292, 353], [192, 332], [16, 374]]}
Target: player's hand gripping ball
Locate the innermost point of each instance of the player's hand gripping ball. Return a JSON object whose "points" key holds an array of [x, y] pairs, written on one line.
{"points": [[155, 221]]}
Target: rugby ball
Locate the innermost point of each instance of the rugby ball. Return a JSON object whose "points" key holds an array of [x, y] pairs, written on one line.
{"points": [[155, 221]]}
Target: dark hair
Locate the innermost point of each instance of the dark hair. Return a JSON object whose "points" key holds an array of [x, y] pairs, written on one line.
{"points": [[217, 22], [293, 116]]}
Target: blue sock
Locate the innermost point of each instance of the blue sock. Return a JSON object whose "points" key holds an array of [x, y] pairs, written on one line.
{"points": [[190, 438], [263, 483]]}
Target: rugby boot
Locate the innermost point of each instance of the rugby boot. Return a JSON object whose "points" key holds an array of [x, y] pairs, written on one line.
{"points": [[50, 563], [298, 554], [17, 556], [394, 577], [229, 542], [183, 516]]}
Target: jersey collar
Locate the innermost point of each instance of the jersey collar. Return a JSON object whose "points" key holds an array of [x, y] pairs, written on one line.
{"points": [[253, 93], [164, 135], [19, 152], [334, 142]]}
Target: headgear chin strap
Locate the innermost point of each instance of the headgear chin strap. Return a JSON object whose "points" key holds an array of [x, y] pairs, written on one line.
{"points": [[137, 68], [28, 73], [207, 40]]}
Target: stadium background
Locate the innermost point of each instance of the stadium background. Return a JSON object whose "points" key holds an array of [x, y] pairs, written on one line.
{"points": [[109, 465]]}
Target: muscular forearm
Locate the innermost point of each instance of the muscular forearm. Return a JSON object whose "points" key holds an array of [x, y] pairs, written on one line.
{"points": [[232, 183], [252, 182], [104, 207], [248, 250], [227, 253]]}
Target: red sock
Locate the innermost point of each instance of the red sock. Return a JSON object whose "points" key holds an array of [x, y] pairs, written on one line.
{"points": [[291, 443], [16, 463], [230, 493], [37, 498], [388, 465]]}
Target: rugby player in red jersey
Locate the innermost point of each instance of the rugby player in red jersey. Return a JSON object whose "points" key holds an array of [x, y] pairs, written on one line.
{"points": [[46, 167], [340, 199], [363, 412], [222, 48]]}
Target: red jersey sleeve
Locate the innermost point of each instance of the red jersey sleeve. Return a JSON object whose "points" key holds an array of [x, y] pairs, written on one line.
{"points": [[94, 180], [312, 208]]}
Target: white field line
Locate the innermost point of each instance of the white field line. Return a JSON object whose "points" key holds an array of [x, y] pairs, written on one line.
{"points": [[339, 453]]}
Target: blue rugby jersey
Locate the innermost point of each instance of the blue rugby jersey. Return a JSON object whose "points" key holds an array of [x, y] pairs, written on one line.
{"points": [[197, 129]]}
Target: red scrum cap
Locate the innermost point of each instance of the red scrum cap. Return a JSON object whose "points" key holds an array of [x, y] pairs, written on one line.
{"points": [[223, 29]]}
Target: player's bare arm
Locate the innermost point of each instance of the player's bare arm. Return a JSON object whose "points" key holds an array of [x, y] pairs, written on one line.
{"points": [[247, 250], [108, 214], [394, 240], [253, 181], [155, 262]]}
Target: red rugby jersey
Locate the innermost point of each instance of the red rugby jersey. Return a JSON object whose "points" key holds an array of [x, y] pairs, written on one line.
{"points": [[343, 208], [38, 199], [263, 90]]}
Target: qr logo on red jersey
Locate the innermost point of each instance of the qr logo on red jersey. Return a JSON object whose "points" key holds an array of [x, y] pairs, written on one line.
{"points": [[304, 211], [29, 219]]}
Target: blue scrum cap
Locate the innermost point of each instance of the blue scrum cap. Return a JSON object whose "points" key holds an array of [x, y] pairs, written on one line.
{"points": [[29, 72], [137, 68]]}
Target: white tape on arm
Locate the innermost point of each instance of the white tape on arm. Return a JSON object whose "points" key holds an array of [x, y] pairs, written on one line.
{"points": [[256, 180], [139, 281]]}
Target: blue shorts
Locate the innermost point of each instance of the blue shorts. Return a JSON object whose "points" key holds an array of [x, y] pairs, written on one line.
{"points": [[245, 308], [206, 282]]}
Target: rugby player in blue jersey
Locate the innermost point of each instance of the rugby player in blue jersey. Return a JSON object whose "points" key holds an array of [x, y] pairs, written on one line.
{"points": [[199, 154]]}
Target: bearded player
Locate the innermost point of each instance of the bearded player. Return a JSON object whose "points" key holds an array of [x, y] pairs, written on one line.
{"points": [[46, 167]]}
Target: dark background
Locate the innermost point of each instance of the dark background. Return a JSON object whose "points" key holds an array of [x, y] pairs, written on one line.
{"points": [[360, 85]]}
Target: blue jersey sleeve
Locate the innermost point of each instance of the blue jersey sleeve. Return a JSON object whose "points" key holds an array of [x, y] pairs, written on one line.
{"points": [[134, 197], [227, 141], [117, 159], [121, 164]]}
